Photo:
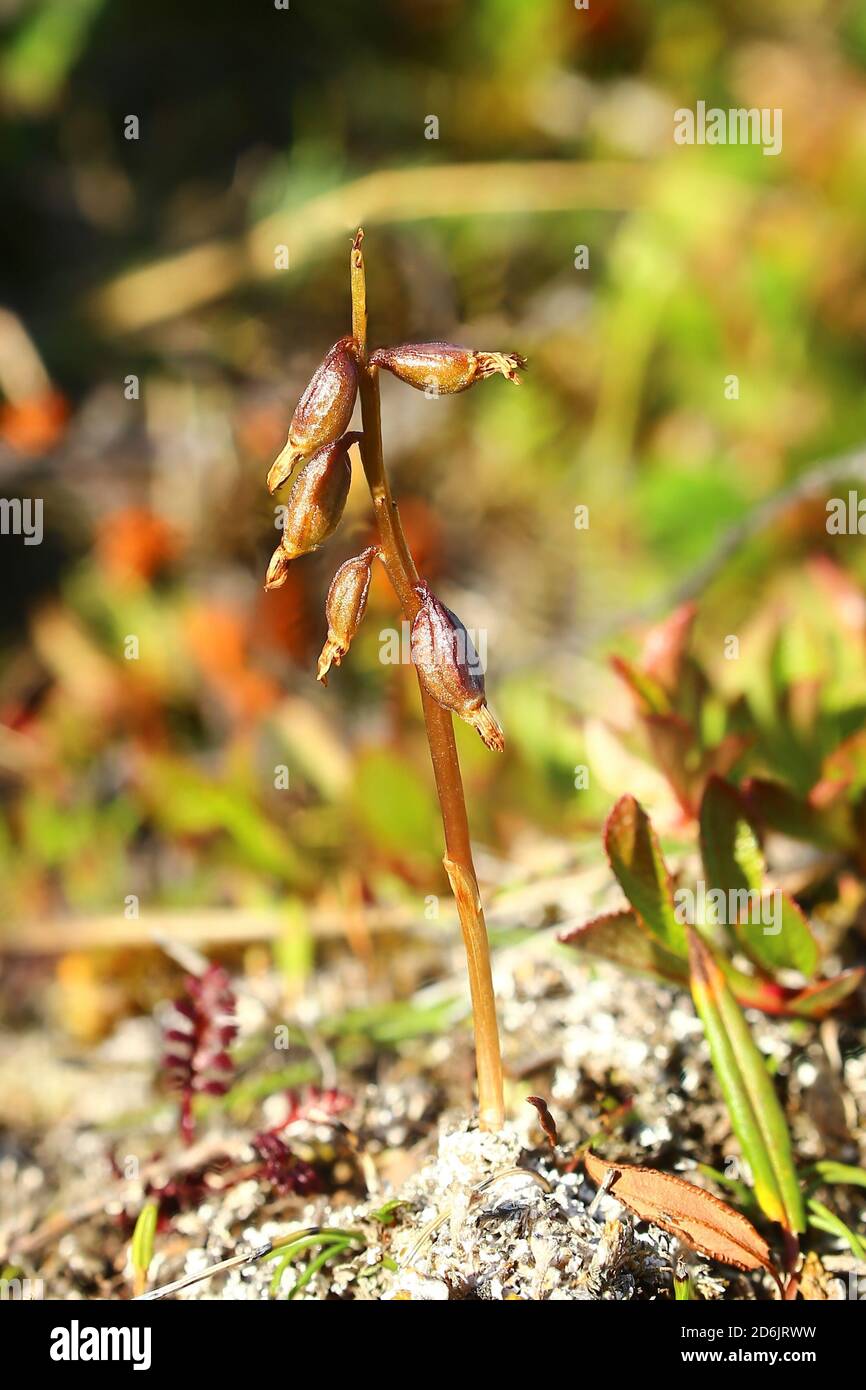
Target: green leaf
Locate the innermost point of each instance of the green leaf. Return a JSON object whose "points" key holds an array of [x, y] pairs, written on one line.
{"points": [[141, 1248], [394, 1021], [756, 1115], [387, 1214], [775, 806], [842, 1173], [729, 846], [621, 939], [333, 1239], [184, 801], [618, 937], [650, 694], [636, 859], [770, 927], [330, 1252], [395, 805], [820, 999], [823, 1219], [781, 940], [740, 1191], [846, 765]]}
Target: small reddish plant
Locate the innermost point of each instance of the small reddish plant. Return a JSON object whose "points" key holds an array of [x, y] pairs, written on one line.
{"points": [[732, 902], [197, 1060], [449, 673]]}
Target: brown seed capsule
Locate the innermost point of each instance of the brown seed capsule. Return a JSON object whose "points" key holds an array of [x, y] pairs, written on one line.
{"points": [[444, 368], [545, 1119], [449, 666], [345, 607], [322, 413], [314, 508]]}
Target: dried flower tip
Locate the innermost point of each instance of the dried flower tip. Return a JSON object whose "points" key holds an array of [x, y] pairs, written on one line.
{"points": [[449, 667], [315, 506], [488, 729], [345, 607], [323, 412], [281, 469], [445, 368], [278, 569], [507, 364]]}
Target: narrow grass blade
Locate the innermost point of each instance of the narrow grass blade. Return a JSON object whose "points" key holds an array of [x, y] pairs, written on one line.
{"points": [[756, 1115], [821, 1218], [827, 1170], [330, 1252]]}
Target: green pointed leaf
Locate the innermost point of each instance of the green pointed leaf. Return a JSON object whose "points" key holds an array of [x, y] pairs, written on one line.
{"points": [[650, 694], [827, 1170], [769, 926], [729, 846], [141, 1248], [816, 1001], [821, 1218], [621, 939], [618, 937], [636, 859], [828, 827], [756, 1115]]}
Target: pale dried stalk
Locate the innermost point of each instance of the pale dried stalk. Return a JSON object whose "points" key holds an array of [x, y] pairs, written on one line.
{"points": [[440, 732]]}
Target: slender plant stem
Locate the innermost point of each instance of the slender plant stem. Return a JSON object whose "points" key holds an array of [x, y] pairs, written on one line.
{"points": [[438, 721]]}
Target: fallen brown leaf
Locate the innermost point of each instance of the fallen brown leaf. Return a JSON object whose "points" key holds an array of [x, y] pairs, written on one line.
{"points": [[702, 1221]]}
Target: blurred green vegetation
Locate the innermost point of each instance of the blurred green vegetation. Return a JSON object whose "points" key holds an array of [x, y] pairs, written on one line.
{"points": [[159, 776]]}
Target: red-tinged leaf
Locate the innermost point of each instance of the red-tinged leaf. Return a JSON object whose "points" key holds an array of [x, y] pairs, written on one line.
{"points": [[843, 591], [756, 1115], [618, 937], [770, 927], [822, 998], [665, 644], [699, 1219], [774, 806], [756, 991], [650, 696], [673, 743], [718, 761], [844, 769], [636, 859]]}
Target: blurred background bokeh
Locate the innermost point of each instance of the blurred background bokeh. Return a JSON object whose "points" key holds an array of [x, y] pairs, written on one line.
{"points": [[153, 346]]}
